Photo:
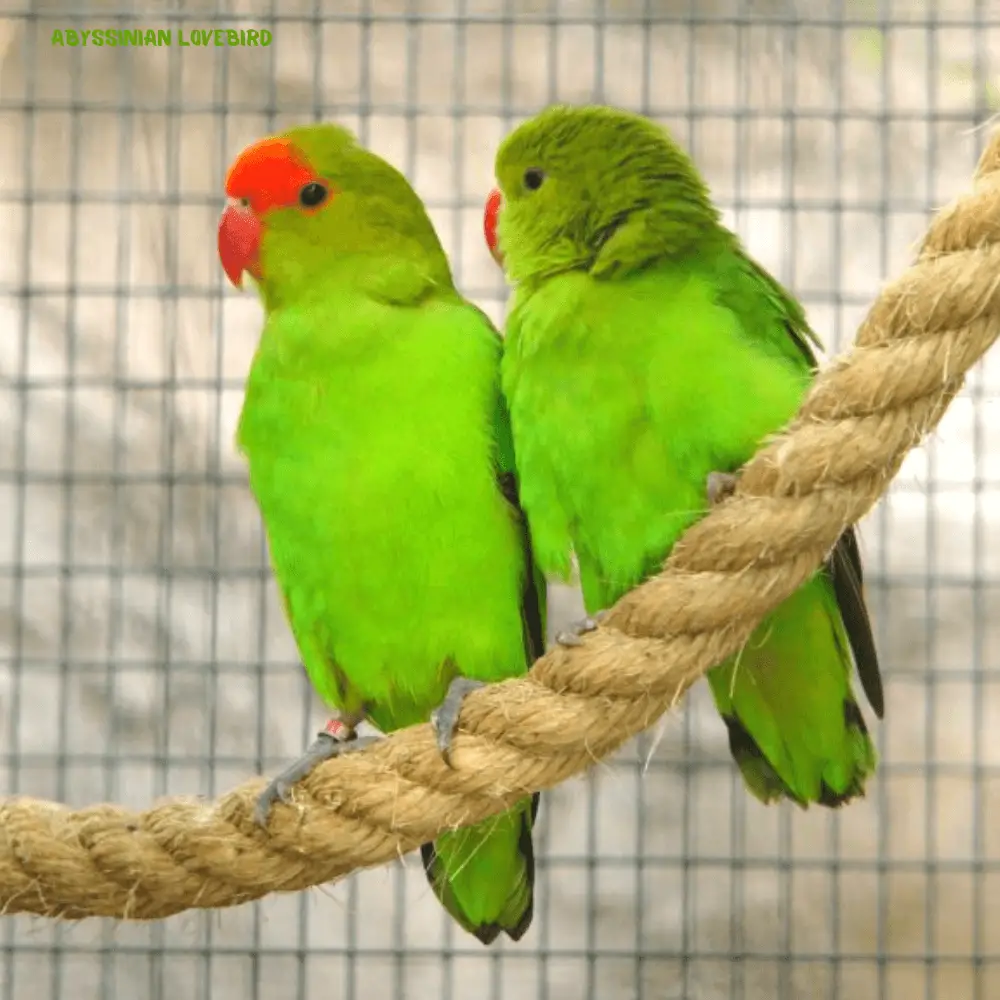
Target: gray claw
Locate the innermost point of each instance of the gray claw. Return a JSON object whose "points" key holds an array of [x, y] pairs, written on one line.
{"points": [[573, 636], [719, 486], [324, 747], [444, 718]]}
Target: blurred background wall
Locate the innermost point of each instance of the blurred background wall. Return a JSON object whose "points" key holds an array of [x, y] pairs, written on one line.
{"points": [[143, 652]]}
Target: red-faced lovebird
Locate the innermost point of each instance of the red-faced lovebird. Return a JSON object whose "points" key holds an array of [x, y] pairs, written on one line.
{"points": [[646, 358], [379, 452]]}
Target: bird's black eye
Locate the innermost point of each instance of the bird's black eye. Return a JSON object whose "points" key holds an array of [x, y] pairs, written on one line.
{"points": [[312, 194], [533, 178]]}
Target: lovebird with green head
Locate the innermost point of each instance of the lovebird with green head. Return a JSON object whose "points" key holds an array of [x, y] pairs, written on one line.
{"points": [[380, 455], [646, 358]]}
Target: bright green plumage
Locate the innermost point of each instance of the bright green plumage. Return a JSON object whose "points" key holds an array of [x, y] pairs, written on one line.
{"points": [[644, 351], [379, 452]]}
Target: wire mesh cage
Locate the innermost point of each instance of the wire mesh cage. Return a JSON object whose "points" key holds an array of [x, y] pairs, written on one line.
{"points": [[143, 651]]}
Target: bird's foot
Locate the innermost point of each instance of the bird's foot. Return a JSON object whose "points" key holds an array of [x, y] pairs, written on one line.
{"points": [[573, 634], [337, 736], [719, 486], [444, 718]]}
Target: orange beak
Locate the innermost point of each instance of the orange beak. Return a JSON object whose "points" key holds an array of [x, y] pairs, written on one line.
{"points": [[493, 203], [239, 243]]}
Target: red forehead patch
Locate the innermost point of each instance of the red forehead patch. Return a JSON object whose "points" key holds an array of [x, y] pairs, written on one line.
{"points": [[269, 174]]}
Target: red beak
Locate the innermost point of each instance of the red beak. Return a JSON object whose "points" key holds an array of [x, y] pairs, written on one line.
{"points": [[493, 203], [239, 243]]}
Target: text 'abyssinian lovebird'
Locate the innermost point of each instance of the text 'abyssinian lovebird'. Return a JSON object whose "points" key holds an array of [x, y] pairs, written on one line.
{"points": [[380, 455], [647, 357]]}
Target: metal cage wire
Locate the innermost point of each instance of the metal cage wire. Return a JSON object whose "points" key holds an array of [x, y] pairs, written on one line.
{"points": [[142, 649]]}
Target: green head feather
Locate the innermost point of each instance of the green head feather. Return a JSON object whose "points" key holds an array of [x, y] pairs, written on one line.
{"points": [[598, 189]]}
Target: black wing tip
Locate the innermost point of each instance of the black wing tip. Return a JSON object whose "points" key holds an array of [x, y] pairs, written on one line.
{"points": [[526, 845], [876, 698], [853, 718], [531, 612], [847, 576], [429, 857]]}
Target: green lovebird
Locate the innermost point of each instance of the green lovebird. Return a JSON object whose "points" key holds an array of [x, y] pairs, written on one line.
{"points": [[380, 455], [646, 358]]}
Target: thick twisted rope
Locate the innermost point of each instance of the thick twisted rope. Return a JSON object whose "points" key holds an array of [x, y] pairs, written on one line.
{"points": [[794, 499]]}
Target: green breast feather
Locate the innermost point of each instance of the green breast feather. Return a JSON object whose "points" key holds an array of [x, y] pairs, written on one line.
{"points": [[383, 470]]}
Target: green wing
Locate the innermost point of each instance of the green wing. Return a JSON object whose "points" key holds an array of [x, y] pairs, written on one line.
{"points": [[782, 328], [749, 291]]}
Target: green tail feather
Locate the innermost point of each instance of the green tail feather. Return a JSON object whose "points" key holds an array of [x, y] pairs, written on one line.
{"points": [[484, 875], [767, 784], [795, 728]]}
